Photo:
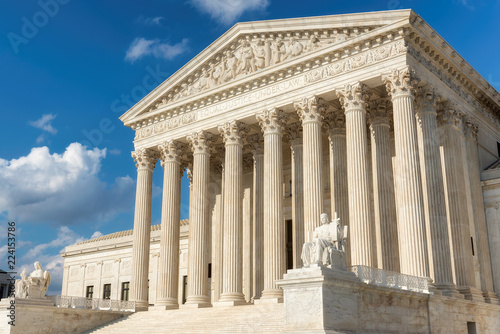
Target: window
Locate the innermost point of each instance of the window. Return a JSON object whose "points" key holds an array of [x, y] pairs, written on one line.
{"points": [[106, 293], [90, 291], [184, 288], [289, 244], [125, 290], [209, 270]]}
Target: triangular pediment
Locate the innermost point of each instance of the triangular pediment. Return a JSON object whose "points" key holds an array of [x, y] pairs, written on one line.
{"points": [[250, 48]]}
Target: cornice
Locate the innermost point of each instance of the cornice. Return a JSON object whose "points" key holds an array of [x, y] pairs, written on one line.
{"points": [[432, 51], [330, 63], [346, 21], [356, 43]]}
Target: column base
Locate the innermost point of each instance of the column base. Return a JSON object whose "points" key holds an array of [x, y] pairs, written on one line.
{"points": [[198, 300], [275, 300], [448, 290], [491, 297], [166, 304], [163, 307], [471, 293], [272, 294]]}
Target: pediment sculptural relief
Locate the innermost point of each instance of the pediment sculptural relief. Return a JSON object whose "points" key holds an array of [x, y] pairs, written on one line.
{"points": [[252, 54]]}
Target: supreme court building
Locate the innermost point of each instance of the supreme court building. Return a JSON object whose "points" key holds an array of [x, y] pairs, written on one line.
{"points": [[372, 116]]}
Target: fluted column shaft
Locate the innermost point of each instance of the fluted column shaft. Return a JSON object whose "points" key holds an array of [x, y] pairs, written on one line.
{"points": [[232, 289], [360, 221], [310, 111], [440, 267], [383, 186], [339, 196], [483, 247], [274, 227], [145, 163], [294, 132], [219, 234], [199, 221], [168, 273], [256, 140], [411, 219]]}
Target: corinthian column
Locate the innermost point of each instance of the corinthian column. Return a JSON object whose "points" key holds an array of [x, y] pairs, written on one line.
{"points": [[383, 184], [199, 221], [411, 219], [353, 99], [256, 141], [271, 122], [310, 111], [145, 163], [168, 275], [433, 192], [339, 197], [232, 284], [294, 132], [483, 248], [453, 154]]}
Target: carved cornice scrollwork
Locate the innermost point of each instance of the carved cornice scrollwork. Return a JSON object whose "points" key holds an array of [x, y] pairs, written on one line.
{"points": [[293, 131], [144, 159], [427, 99], [233, 132], [256, 143], [311, 109], [354, 96], [401, 82], [200, 142], [272, 121], [248, 162], [334, 122]]}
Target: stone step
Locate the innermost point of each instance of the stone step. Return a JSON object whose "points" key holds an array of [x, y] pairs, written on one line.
{"points": [[261, 318]]}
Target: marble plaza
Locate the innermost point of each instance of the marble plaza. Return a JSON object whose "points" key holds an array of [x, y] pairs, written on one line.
{"points": [[372, 117]]}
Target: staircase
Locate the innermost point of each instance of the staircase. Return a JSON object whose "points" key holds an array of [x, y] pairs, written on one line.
{"points": [[260, 318]]}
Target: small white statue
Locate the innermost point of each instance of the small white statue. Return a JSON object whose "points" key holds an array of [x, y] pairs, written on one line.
{"points": [[35, 286], [327, 245]]}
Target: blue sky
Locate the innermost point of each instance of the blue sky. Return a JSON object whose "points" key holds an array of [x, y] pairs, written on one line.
{"points": [[70, 68]]}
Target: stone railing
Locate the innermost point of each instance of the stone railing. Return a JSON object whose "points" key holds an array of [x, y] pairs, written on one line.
{"points": [[93, 303], [391, 279]]}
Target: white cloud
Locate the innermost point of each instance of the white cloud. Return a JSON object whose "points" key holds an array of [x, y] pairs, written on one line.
{"points": [[61, 189], [141, 47], [228, 11], [48, 255], [45, 123], [96, 234], [150, 21], [115, 152]]}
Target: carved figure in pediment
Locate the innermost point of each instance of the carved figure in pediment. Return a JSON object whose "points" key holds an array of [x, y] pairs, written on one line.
{"points": [[278, 50], [229, 67], [338, 38], [206, 81], [260, 55], [246, 64], [313, 43], [294, 48]]}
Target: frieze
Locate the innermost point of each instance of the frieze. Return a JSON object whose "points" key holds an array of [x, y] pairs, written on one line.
{"points": [[338, 67]]}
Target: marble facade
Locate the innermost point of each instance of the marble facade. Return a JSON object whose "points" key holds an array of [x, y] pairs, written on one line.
{"points": [[372, 115]]}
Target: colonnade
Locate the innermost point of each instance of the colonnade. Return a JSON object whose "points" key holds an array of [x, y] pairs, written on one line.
{"points": [[417, 224]]}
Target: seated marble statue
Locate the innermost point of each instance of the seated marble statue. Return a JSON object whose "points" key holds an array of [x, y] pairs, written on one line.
{"points": [[327, 244], [35, 286]]}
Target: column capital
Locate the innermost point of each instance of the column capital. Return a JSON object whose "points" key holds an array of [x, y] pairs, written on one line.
{"points": [[293, 131], [170, 151], [401, 82], [232, 132], [380, 112], [145, 159], [272, 120], [427, 99], [334, 122], [256, 143], [311, 109], [200, 142], [471, 128], [450, 115], [354, 96]]}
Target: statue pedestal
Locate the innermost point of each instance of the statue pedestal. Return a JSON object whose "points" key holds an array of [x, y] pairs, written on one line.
{"points": [[320, 298]]}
